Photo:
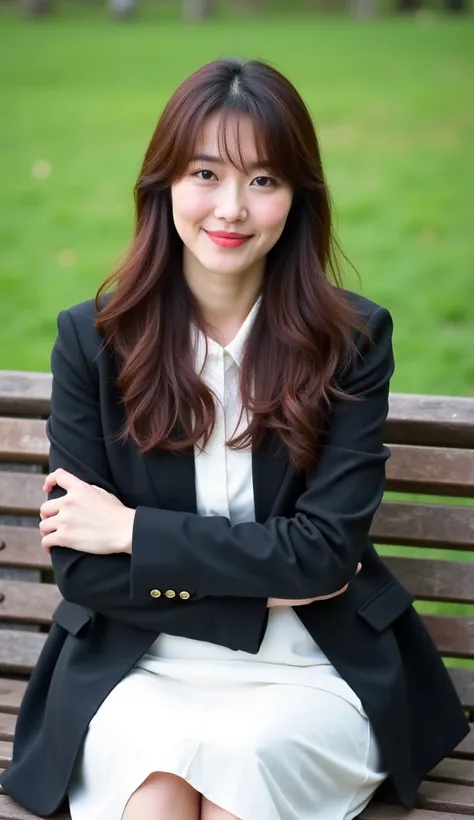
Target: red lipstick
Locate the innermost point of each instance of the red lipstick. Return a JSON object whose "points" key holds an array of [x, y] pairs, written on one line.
{"points": [[228, 239]]}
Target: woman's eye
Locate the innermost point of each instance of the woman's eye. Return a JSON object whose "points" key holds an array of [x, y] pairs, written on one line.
{"points": [[264, 182], [204, 174]]}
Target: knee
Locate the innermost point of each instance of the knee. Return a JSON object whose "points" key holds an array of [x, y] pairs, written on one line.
{"points": [[163, 794], [163, 783]]}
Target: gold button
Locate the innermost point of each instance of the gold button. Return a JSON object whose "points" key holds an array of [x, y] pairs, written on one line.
{"points": [[155, 593], [184, 595], [170, 593]]}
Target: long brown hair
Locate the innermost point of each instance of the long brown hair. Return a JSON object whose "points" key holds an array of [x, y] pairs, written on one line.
{"points": [[302, 336]]}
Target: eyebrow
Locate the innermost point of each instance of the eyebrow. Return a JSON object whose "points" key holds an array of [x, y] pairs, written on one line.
{"points": [[218, 161]]}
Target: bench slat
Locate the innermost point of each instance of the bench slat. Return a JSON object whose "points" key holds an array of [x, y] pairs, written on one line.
{"points": [[11, 694], [466, 747], [435, 470], [463, 680], [23, 393], [21, 493], [399, 524], [433, 580], [410, 469], [19, 651], [6, 749], [445, 797], [439, 421], [424, 525], [7, 726], [383, 811], [9, 810], [28, 602], [21, 547], [451, 770], [23, 441], [453, 636], [394, 522]]}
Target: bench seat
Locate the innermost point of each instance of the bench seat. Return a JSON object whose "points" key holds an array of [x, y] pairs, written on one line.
{"points": [[424, 529]]}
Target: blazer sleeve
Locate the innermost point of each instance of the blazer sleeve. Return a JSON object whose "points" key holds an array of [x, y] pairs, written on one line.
{"points": [[316, 551], [102, 582]]}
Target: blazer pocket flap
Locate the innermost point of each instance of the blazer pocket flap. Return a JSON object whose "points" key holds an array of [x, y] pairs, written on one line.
{"points": [[383, 608], [72, 617]]}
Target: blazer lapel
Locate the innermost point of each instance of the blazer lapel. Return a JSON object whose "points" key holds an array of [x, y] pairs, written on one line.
{"points": [[271, 471], [174, 478]]}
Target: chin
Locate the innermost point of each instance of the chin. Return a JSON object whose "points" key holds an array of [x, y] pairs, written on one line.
{"points": [[220, 265], [227, 270]]}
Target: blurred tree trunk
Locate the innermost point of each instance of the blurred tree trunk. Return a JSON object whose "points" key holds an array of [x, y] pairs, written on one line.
{"points": [[363, 8], [37, 8], [121, 9], [193, 10], [408, 5], [455, 5]]}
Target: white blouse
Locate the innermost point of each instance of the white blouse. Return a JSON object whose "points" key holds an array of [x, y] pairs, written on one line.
{"points": [[224, 486]]}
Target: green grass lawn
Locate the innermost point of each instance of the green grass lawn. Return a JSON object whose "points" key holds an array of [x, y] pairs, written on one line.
{"points": [[392, 102]]}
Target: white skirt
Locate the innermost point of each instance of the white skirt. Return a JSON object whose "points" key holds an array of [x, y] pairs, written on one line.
{"points": [[245, 734]]}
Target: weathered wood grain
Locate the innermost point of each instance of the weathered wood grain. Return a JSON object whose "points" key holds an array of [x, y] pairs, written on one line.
{"points": [[26, 602], [424, 525], [23, 393], [21, 493], [11, 694], [433, 580], [436, 470], [21, 547], [23, 441], [463, 680], [19, 651], [383, 811], [439, 421], [454, 636], [454, 771], [445, 797], [466, 747], [9, 810]]}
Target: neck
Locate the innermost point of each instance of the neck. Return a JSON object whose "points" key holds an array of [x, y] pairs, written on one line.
{"points": [[225, 300]]}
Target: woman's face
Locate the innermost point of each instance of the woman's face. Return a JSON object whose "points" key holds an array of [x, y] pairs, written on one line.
{"points": [[228, 219]]}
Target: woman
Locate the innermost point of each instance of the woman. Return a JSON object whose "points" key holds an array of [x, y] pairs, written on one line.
{"points": [[217, 458]]}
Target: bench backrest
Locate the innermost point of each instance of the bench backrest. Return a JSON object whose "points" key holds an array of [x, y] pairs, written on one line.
{"points": [[426, 535]]}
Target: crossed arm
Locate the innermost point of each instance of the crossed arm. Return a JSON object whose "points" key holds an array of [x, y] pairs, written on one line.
{"points": [[244, 567]]}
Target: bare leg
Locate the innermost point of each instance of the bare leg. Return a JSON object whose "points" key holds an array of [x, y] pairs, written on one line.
{"points": [[209, 811], [163, 796]]}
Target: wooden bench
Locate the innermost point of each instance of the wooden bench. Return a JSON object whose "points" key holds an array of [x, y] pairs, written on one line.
{"points": [[432, 442]]}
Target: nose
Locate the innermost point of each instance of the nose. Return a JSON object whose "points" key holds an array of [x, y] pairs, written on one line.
{"points": [[230, 205]]}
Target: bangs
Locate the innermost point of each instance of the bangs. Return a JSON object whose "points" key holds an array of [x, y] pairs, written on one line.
{"points": [[272, 152], [230, 143]]}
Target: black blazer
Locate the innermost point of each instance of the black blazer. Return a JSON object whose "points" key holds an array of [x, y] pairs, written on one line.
{"points": [[310, 533]]}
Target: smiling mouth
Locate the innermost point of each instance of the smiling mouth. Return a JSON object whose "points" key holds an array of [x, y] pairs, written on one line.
{"points": [[227, 239]]}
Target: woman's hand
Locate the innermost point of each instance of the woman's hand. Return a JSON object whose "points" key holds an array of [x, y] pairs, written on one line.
{"points": [[303, 601], [87, 518]]}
